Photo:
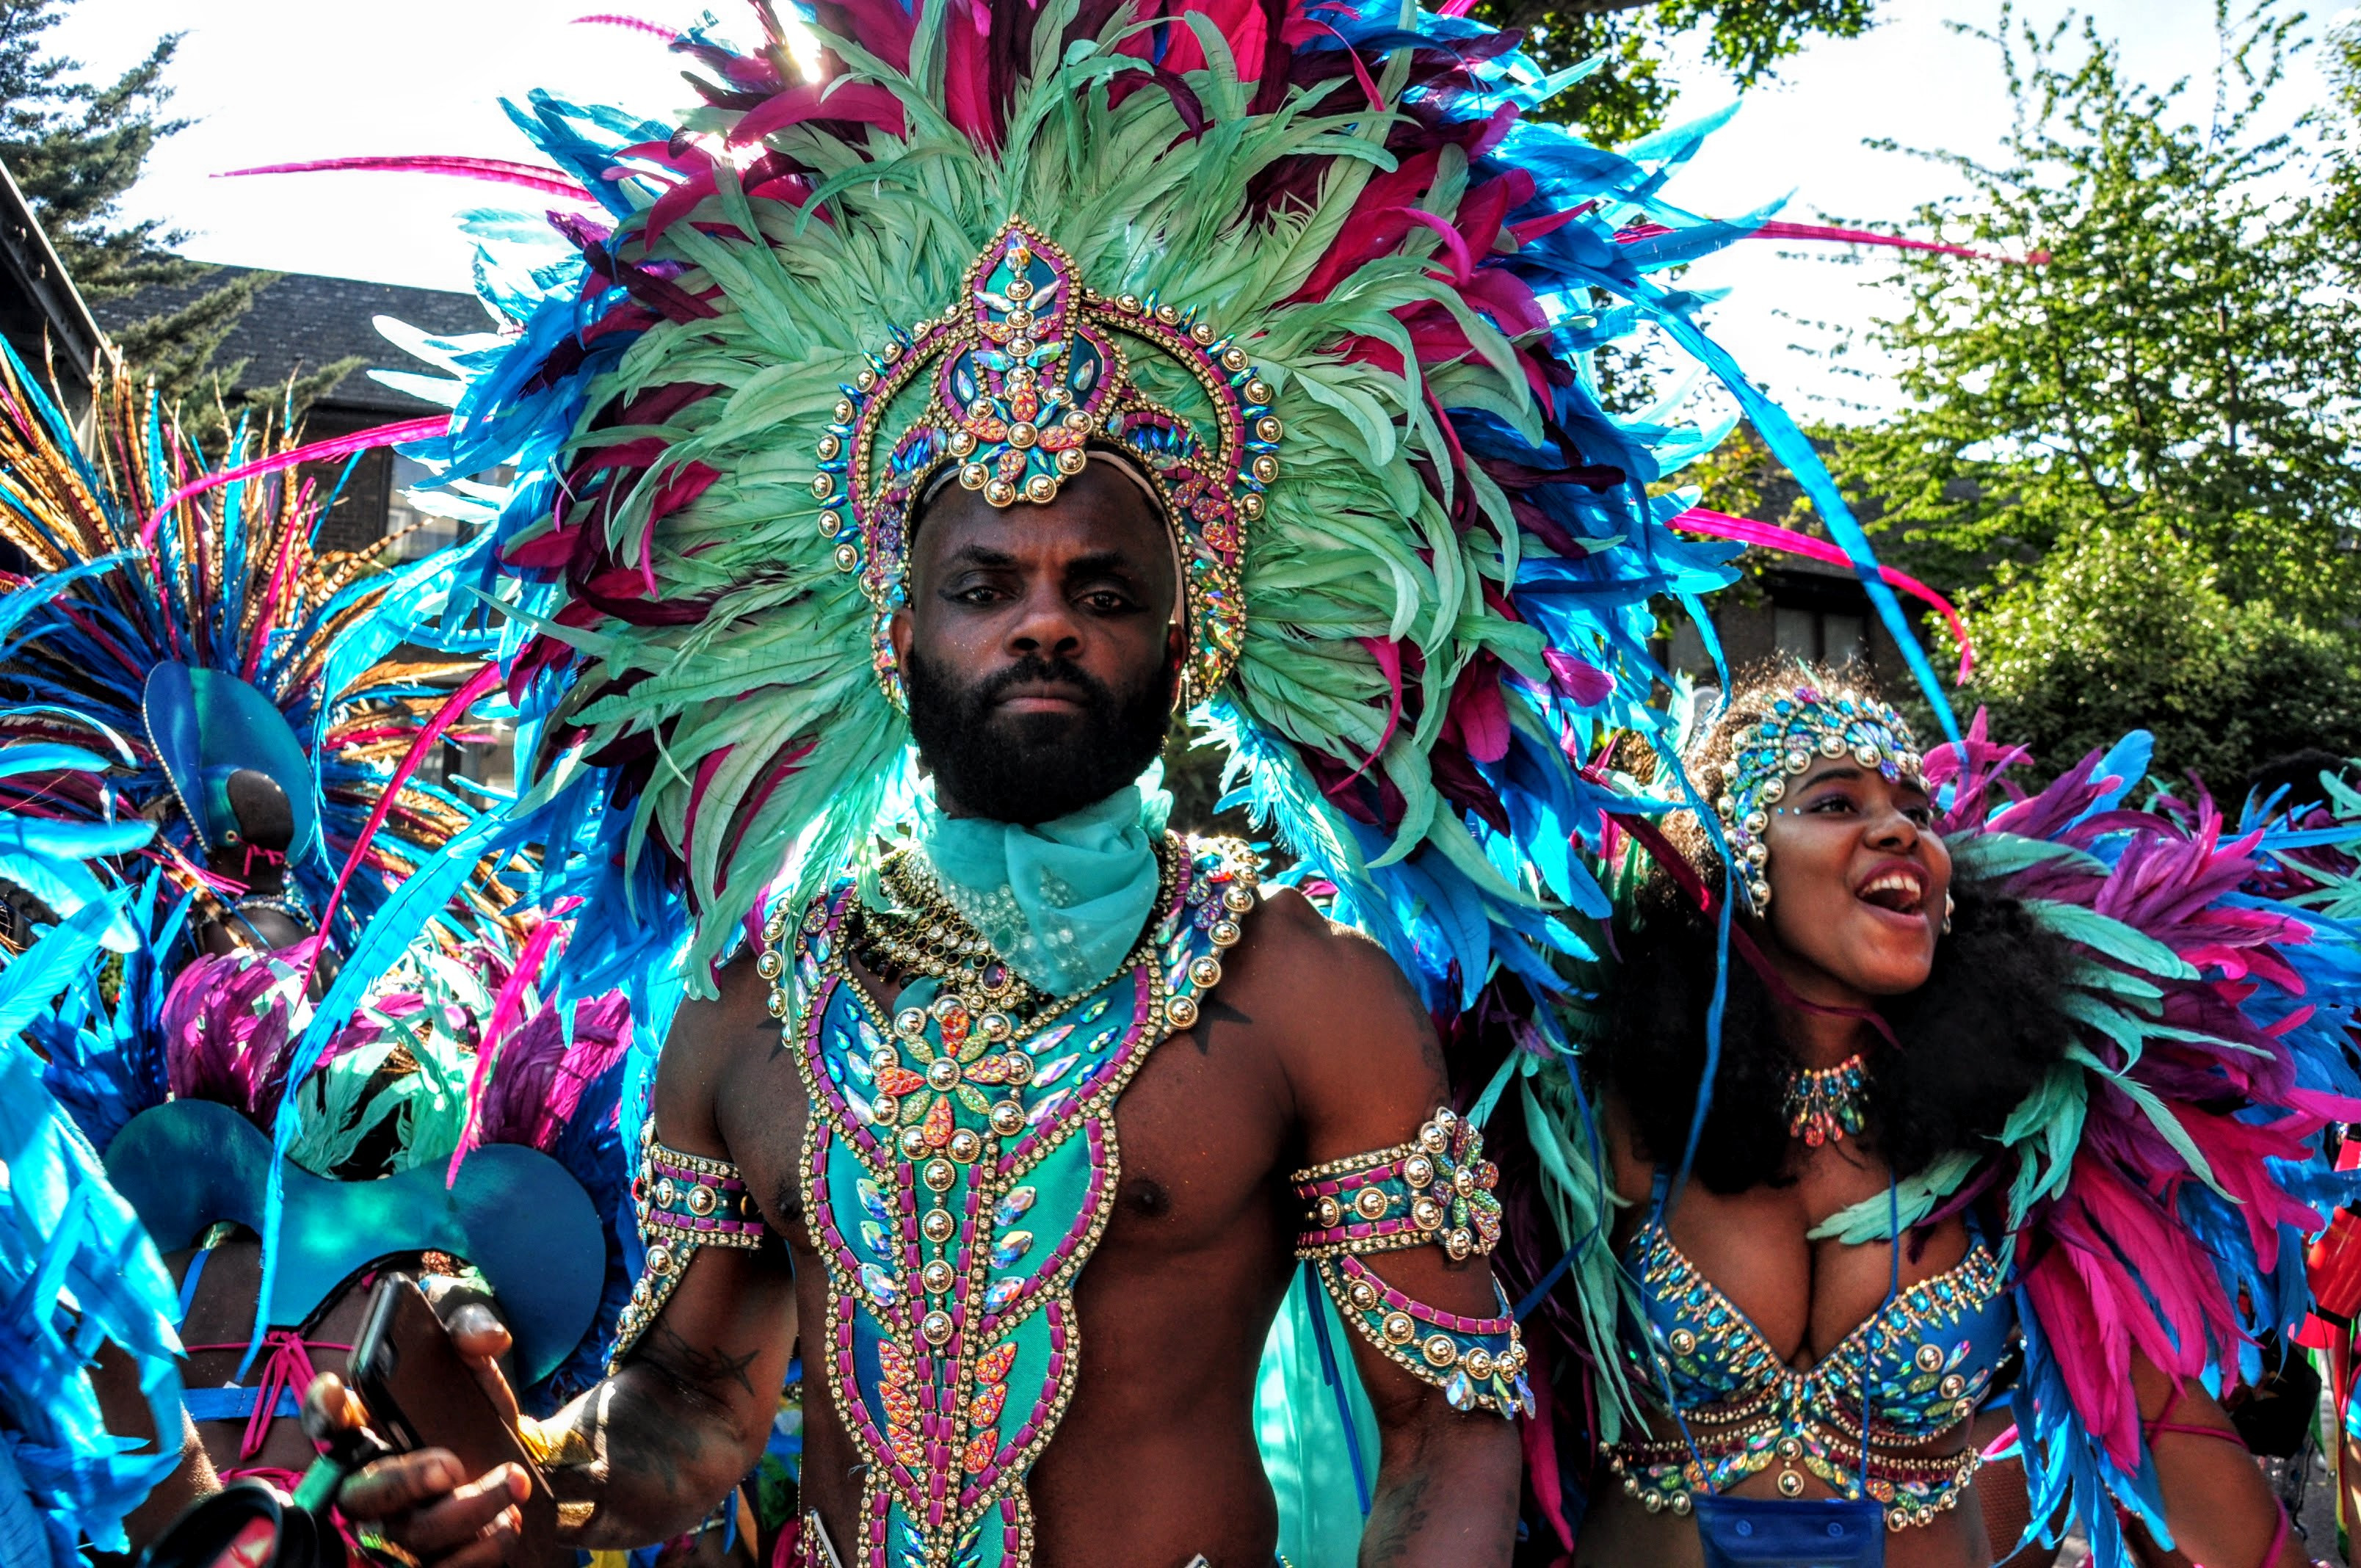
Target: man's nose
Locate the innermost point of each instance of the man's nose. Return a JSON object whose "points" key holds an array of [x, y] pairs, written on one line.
{"points": [[1045, 626]]}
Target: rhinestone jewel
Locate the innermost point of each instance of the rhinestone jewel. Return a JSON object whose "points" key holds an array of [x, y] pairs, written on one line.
{"points": [[879, 1284], [1002, 1292], [1013, 1206], [1010, 1247]]}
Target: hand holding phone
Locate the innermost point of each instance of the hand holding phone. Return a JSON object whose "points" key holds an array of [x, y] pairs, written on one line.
{"points": [[420, 1393]]}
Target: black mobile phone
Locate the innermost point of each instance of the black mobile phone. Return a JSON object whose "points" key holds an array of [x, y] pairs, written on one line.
{"points": [[420, 1393]]}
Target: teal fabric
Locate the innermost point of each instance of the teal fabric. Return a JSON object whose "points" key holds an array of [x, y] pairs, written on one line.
{"points": [[1062, 902], [1300, 1427], [513, 1212]]}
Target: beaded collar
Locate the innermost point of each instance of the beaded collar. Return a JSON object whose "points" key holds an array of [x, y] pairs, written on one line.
{"points": [[960, 1169]]}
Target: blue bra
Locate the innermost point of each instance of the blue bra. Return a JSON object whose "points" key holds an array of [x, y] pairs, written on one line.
{"points": [[1926, 1359]]}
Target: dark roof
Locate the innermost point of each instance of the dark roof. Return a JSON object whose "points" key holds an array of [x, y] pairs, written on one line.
{"points": [[303, 321], [37, 300]]}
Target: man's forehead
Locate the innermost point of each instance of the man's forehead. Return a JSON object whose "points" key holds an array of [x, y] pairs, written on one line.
{"points": [[1097, 514]]}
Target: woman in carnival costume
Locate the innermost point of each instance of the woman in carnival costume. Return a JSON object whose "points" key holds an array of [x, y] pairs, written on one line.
{"points": [[218, 709], [1306, 277], [2080, 1056]]}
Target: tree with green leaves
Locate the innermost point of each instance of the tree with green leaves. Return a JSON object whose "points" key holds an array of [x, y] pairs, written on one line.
{"points": [[1626, 95], [2133, 448], [76, 147]]}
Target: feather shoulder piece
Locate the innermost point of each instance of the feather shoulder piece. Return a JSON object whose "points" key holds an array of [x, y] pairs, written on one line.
{"points": [[2159, 1186]]}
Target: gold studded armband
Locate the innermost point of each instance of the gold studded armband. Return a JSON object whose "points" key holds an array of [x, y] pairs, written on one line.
{"points": [[1435, 1189], [685, 1201]]}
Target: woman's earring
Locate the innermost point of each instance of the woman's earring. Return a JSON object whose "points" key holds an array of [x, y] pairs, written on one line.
{"points": [[1949, 905]]}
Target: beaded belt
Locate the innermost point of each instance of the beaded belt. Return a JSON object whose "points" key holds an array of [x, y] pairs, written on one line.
{"points": [[1742, 1439]]}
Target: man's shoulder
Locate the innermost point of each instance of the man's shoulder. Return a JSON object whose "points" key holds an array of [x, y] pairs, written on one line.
{"points": [[1322, 972]]}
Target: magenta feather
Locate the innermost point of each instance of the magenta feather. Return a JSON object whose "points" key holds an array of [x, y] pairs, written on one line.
{"points": [[498, 170]]}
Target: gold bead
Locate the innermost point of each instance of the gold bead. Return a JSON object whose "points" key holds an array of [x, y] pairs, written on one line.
{"points": [[823, 486], [939, 1174], [1181, 1011], [830, 447], [965, 1146], [1267, 428], [1007, 1118], [1258, 390], [1439, 1349], [1000, 492], [1223, 933], [829, 523], [1266, 467], [937, 1226], [1399, 1328]]}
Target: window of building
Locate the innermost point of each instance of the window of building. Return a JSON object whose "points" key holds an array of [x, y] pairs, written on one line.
{"points": [[420, 534], [1827, 637]]}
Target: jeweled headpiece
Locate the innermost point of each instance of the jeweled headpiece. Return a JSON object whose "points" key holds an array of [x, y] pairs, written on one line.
{"points": [[1803, 727], [1026, 371]]}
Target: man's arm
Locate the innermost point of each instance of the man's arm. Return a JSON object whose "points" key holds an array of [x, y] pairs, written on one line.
{"points": [[1366, 1073], [643, 1455]]}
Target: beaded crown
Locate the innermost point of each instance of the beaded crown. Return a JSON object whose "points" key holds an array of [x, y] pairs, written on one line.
{"points": [[1808, 723], [1024, 373]]}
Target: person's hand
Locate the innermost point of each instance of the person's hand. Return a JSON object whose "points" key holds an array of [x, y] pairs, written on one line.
{"points": [[424, 1504]]}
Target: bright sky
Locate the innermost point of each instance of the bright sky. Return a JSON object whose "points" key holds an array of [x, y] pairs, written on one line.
{"points": [[281, 81]]}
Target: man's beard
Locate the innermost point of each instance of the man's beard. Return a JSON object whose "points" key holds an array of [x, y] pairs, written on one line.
{"points": [[1030, 768]]}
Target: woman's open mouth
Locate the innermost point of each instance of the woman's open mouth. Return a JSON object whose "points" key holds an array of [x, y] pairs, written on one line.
{"points": [[1900, 889]]}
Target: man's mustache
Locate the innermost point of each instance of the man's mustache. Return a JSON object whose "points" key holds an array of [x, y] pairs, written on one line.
{"points": [[1034, 669]]}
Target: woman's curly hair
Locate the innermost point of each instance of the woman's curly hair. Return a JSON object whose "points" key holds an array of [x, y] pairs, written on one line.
{"points": [[1974, 1041]]}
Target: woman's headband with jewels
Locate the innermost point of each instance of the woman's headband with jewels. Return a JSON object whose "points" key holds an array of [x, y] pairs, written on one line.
{"points": [[1801, 727], [1027, 371]]}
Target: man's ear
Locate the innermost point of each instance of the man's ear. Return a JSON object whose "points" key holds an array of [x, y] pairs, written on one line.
{"points": [[898, 631]]}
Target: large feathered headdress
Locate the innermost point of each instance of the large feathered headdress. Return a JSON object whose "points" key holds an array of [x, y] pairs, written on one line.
{"points": [[1306, 265]]}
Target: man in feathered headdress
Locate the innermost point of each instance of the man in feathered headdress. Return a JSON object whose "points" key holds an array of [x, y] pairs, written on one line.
{"points": [[1029, 376]]}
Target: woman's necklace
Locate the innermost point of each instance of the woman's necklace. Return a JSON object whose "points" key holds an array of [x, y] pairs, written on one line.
{"points": [[1823, 1104]]}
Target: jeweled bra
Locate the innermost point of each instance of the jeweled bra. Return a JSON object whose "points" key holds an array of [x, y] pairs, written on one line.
{"points": [[959, 1168], [1927, 1358]]}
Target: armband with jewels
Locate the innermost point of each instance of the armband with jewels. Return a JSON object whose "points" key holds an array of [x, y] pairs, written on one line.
{"points": [[685, 1201], [1437, 1187], [1479, 1363]]}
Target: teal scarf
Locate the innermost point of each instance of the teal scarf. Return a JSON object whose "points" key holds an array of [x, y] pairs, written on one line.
{"points": [[1063, 903]]}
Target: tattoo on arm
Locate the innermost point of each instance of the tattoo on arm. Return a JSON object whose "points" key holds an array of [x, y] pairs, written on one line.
{"points": [[1216, 1010], [706, 1369], [1396, 1521]]}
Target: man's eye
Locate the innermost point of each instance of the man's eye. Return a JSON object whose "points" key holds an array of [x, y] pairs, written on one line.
{"points": [[1107, 601], [1831, 803]]}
